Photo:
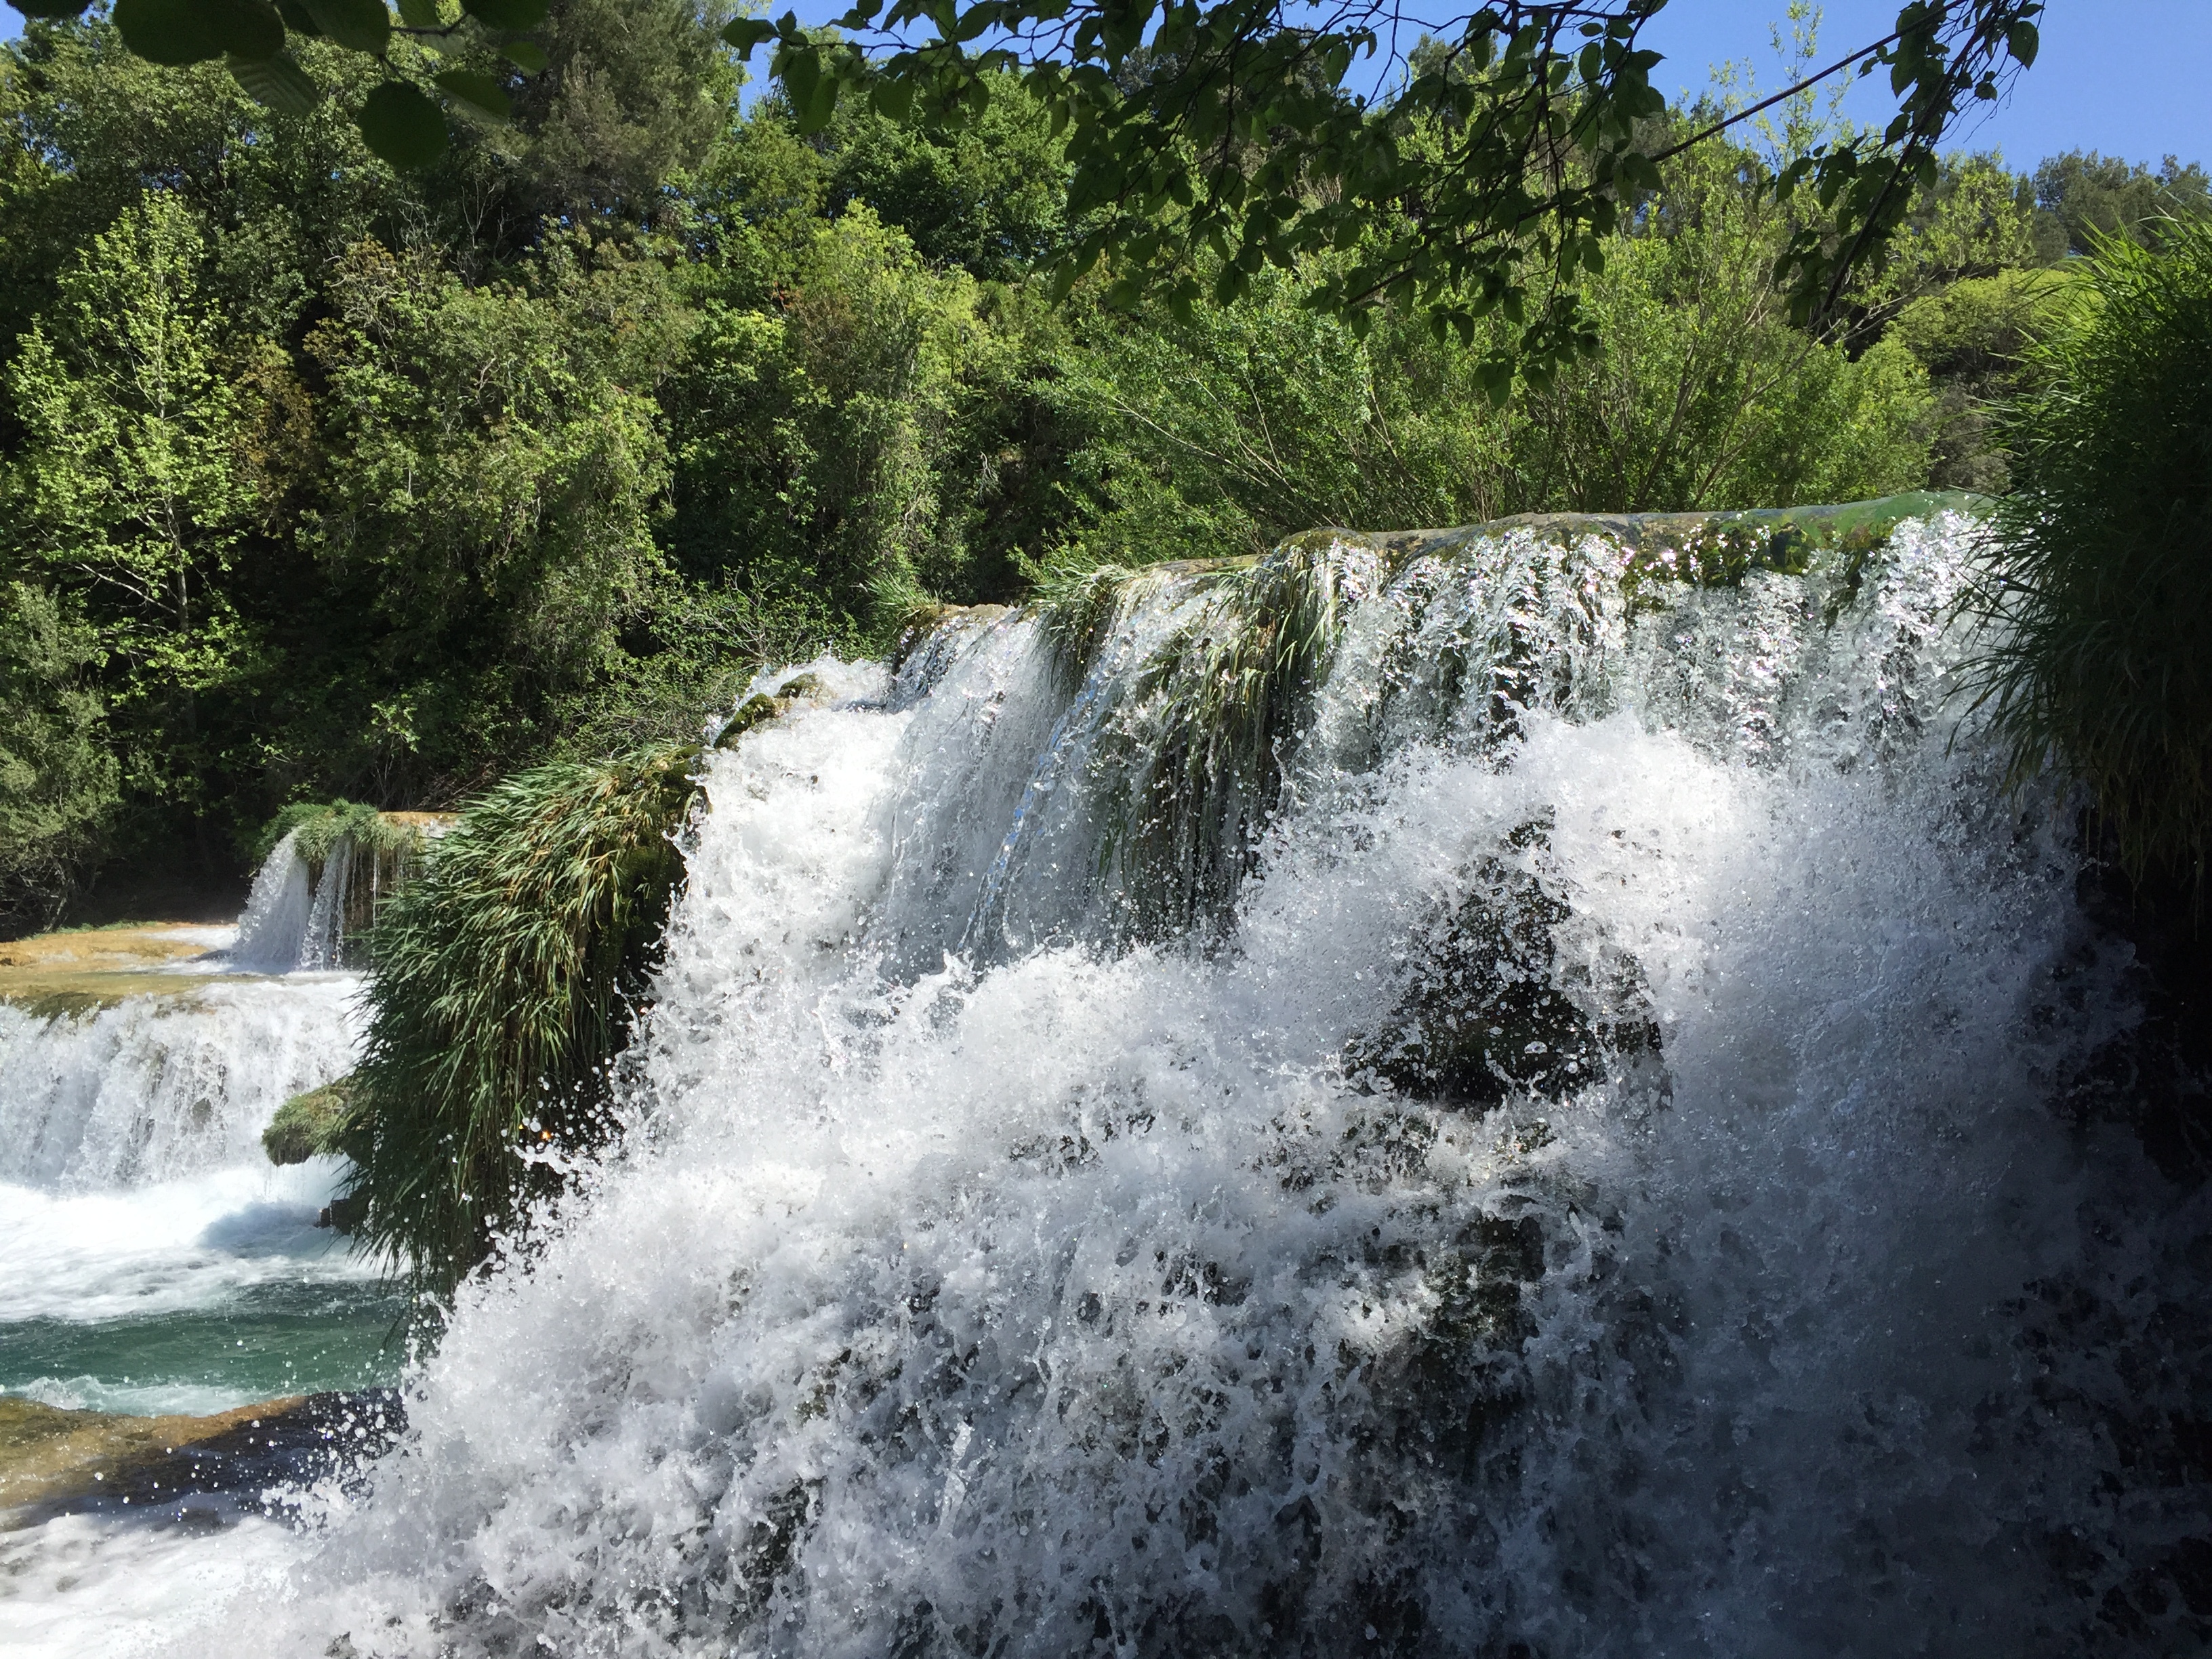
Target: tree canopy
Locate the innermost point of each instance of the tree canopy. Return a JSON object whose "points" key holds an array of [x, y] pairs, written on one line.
{"points": [[1498, 149], [318, 478]]}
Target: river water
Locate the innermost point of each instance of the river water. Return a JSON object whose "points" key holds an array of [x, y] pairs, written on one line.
{"points": [[155, 1261], [1542, 1133]]}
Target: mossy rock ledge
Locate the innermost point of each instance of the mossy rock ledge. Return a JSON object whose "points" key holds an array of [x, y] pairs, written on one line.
{"points": [[319, 1123]]}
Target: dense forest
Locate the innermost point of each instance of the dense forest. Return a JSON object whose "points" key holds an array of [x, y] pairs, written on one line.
{"points": [[318, 480]]}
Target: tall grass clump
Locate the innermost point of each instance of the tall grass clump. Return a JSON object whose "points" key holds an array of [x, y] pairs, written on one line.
{"points": [[2100, 583], [506, 975], [1189, 762]]}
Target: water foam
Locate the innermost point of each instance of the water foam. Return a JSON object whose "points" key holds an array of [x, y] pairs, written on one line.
{"points": [[156, 1261], [983, 1276], [156, 1087]]}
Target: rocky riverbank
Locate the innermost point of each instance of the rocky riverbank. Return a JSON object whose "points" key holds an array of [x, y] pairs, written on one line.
{"points": [[188, 1470]]}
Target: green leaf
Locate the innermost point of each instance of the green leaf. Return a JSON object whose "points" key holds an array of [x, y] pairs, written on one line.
{"points": [[893, 97], [297, 20], [278, 82], [248, 29], [746, 33], [52, 11], [356, 25], [403, 125], [2021, 40], [420, 15], [526, 55], [811, 86], [172, 32], [516, 15], [477, 90]]}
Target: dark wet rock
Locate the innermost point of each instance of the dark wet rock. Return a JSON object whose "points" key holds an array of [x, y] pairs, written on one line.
{"points": [[345, 1215], [1489, 1006]]}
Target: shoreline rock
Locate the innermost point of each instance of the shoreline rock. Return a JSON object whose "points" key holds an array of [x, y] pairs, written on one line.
{"points": [[193, 1470]]}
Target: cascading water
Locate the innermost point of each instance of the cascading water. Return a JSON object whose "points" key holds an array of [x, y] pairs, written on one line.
{"points": [[1458, 1096], [274, 934], [155, 1088], [305, 913], [156, 1261]]}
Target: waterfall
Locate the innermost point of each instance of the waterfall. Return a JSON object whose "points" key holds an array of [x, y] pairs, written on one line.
{"points": [[1441, 1095], [157, 1088], [275, 927], [157, 1262], [311, 901]]}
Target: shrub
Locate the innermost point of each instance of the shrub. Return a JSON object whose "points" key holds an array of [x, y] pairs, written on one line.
{"points": [[59, 780], [2102, 578], [505, 976]]}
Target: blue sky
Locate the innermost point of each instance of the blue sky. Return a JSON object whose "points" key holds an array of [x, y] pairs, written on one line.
{"points": [[2124, 76]]}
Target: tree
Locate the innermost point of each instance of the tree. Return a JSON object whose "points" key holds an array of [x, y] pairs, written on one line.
{"points": [[131, 493], [58, 777], [815, 434], [2079, 197], [1231, 126], [989, 197], [633, 93], [1481, 181], [497, 468], [1258, 419]]}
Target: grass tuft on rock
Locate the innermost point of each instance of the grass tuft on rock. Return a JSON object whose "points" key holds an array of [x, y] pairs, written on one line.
{"points": [[2100, 586], [1190, 761], [321, 825], [506, 975]]}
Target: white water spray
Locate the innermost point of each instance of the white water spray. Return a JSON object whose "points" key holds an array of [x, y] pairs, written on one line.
{"points": [[992, 1269]]}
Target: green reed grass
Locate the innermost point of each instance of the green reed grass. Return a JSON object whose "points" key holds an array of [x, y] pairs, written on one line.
{"points": [[2100, 586], [506, 976], [1192, 759]]}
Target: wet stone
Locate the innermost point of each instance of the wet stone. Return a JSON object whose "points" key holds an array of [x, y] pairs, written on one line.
{"points": [[190, 1470], [1488, 1004]]}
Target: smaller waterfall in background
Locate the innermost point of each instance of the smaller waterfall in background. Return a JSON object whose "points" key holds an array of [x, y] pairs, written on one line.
{"points": [[158, 1261], [312, 901], [272, 933], [155, 1088]]}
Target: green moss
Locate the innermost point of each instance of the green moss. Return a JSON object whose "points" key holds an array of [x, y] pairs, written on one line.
{"points": [[319, 1123], [321, 825], [761, 707], [1720, 549]]}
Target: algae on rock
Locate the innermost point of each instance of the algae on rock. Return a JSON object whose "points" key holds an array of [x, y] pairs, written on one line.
{"points": [[319, 1123]]}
